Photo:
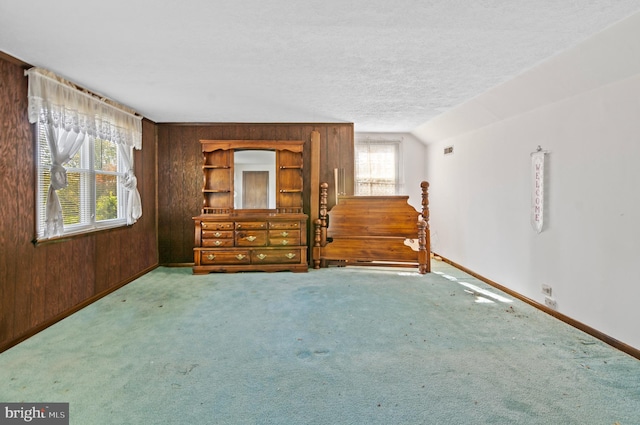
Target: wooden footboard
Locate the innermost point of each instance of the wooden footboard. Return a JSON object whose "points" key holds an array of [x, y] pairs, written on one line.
{"points": [[373, 230]]}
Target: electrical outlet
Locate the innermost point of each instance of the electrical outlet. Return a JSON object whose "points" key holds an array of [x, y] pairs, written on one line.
{"points": [[546, 289], [551, 303]]}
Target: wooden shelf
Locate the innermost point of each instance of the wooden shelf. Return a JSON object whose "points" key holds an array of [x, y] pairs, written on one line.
{"points": [[239, 245]]}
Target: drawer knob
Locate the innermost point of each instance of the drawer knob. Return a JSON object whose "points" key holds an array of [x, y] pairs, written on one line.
{"points": [[290, 255], [218, 243], [261, 256], [285, 242], [250, 238], [284, 234], [210, 257], [240, 256], [217, 234]]}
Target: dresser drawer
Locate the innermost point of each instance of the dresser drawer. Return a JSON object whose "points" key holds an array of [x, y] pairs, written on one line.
{"points": [[250, 225], [275, 256], [284, 233], [217, 234], [284, 241], [217, 243], [251, 238], [284, 225], [225, 257], [209, 225]]}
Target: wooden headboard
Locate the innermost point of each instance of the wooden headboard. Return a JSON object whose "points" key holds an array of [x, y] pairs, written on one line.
{"points": [[373, 230]]}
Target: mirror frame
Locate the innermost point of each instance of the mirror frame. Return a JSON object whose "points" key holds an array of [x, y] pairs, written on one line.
{"points": [[295, 146]]}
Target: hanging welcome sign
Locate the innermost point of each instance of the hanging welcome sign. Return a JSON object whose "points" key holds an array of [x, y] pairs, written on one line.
{"points": [[537, 189]]}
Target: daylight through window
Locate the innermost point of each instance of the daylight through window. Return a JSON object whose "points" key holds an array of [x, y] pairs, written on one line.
{"points": [[92, 199], [84, 152], [377, 168]]}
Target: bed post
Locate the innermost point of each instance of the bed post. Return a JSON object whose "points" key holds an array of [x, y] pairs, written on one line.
{"points": [[424, 235], [320, 238], [316, 244]]}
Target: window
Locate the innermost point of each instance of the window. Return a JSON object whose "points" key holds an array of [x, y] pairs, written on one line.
{"points": [[377, 168], [93, 198], [84, 158]]}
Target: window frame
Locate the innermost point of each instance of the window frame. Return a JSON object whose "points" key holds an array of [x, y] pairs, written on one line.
{"points": [[88, 174], [397, 183]]}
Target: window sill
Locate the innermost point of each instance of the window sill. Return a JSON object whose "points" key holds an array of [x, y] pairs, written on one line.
{"points": [[77, 235]]}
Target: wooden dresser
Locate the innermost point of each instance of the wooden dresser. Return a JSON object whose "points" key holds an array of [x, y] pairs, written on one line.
{"points": [[254, 241], [230, 238]]}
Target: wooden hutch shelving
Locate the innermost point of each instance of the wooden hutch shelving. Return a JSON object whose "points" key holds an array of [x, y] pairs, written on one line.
{"points": [[230, 239]]}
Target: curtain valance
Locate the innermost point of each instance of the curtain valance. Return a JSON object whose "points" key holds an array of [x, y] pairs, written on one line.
{"points": [[68, 117], [54, 100]]}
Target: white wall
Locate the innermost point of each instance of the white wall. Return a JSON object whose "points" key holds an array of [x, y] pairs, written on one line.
{"points": [[412, 165], [589, 250]]}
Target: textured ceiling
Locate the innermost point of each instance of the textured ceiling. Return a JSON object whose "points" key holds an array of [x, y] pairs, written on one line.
{"points": [[385, 66]]}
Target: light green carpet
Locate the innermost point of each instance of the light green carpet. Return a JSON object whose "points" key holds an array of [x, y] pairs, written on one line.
{"points": [[332, 346]]}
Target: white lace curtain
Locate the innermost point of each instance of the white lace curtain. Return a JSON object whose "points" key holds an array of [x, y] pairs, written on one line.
{"points": [[70, 116]]}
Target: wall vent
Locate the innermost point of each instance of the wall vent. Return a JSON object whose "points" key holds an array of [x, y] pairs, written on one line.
{"points": [[448, 150]]}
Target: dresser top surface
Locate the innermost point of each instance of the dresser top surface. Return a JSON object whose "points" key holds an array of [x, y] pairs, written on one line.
{"points": [[251, 216]]}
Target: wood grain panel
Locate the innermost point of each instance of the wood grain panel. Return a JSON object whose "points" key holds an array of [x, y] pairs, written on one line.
{"points": [[101, 264], [164, 196], [42, 284], [179, 171], [175, 189], [82, 285], [146, 171], [24, 196], [37, 287], [12, 122], [347, 158], [115, 262], [53, 289], [191, 180]]}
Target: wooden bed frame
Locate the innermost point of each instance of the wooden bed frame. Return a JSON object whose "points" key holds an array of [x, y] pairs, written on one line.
{"points": [[373, 230]]}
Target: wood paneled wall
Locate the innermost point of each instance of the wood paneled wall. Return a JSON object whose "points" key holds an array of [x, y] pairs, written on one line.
{"points": [[42, 284], [180, 172]]}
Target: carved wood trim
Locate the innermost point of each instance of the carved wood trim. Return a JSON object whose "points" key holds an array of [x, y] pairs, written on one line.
{"points": [[281, 145]]}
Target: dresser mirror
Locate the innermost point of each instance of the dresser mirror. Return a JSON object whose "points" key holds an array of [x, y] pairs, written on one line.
{"points": [[254, 179]]}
